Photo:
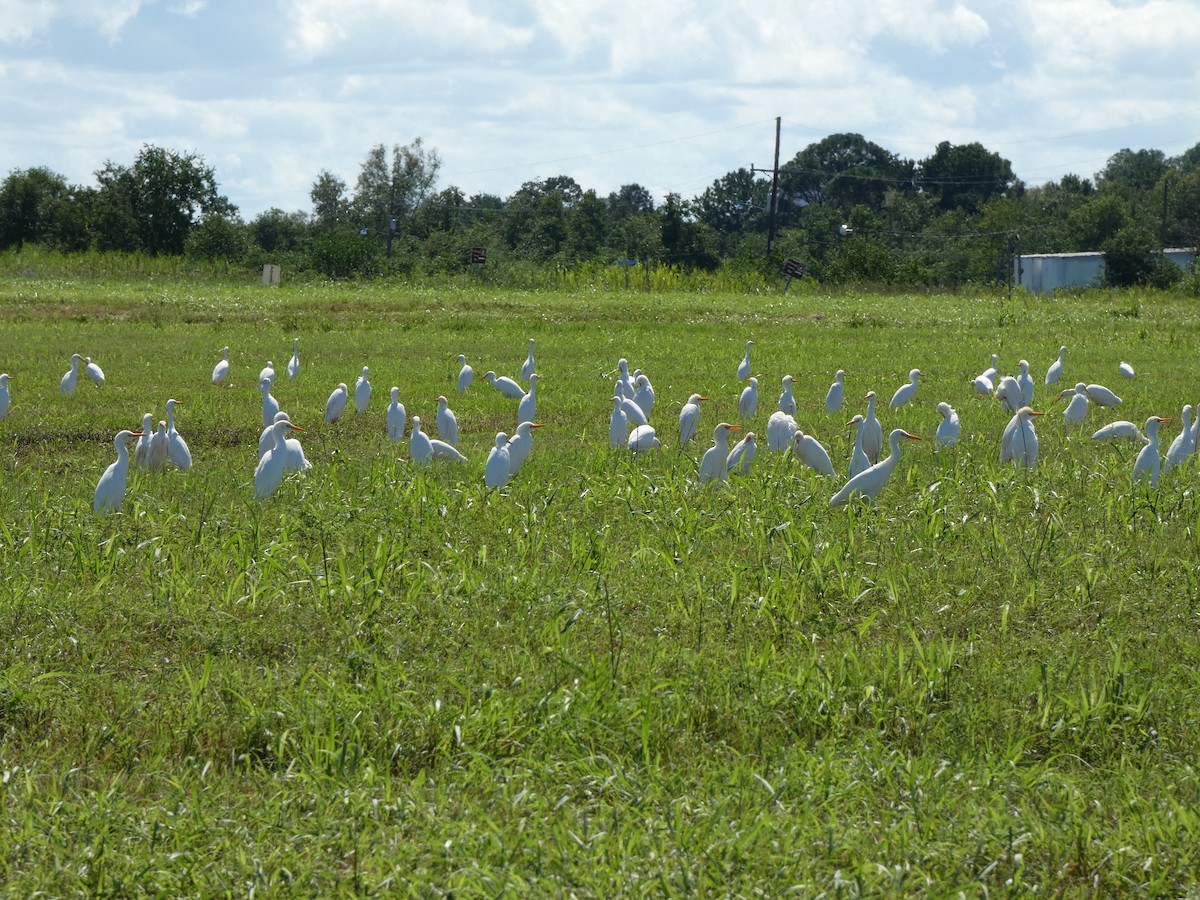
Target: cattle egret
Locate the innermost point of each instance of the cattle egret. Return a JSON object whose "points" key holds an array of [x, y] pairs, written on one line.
{"points": [[625, 386], [1147, 465], [396, 416], [1025, 383], [836, 393], [1184, 444], [858, 458], [527, 368], [447, 423], [268, 475], [1117, 430], [643, 439], [1102, 396], [1076, 411], [1019, 443], [633, 413], [949, 428], [1008, 392], [643, 394], [983, 385], [5, 397], [424, 449], [689, 418], [1125, 369], [741, 458], [743, 370], [94, 372], [787, 400], [160, 448], [527, 408], [293, 366], [495, 470], [781, 428], [466, 374], [714, 464], [177, 448], [221, 369], [869, 483], [748, 402], [618, 425], [270, 405], [293, 459], [267, 372], [266, 439], [362, 393], [906, 392], [336, 404], [872, 431], [991, 373], [504, 385], [1055, 371], [67, 385], [520, 445], [141, 450], [110, 489], [809, 451]]}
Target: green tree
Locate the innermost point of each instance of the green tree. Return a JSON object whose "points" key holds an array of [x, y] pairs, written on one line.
{"points": [[630, 200], [735, 203], [1131, 257], [845, 169], [30, 204], [966, 176], [276, 231], [331, 206], [1133, 170], [387, 192], [219, 238]]}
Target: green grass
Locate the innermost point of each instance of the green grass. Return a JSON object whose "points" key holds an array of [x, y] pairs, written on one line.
{"points": [[603, 680]]}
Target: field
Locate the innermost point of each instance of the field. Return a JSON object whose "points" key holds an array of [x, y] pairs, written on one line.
{"points": [[603, 680]]}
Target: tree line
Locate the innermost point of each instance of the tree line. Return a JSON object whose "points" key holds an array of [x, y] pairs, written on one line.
{"points": [[846, 208]]}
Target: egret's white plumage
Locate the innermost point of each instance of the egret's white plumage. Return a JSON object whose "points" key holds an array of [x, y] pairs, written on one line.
{"points": [[1025, 383], [1147, 465], [809, 451], [643, 394], [267, 372], [872, 431], [94, 372], [495, 470], [714, 464], [870, 482], [397, 417], [221, 369], [983, 385], [743, 370], [141, 450], [1184, 444], [527, 408], [906, 392], [624, 386], [67, 385], [949, 428], [1019, 443], [505, 385], [520, 445], [336, 404], [1077, 407], [177, 448], [836, 393], [160, 449], [787, 400], [110, 489], [741, 458], [268, 475], [270, 405], [1125, 369], [991, 373], [293, 458], [858, 458], [424, 449], [5, 397], [633, 413], [527, 368], [447, 422], [1102, 396], [1008, 392], [643, 439], [1117, 430], [1056, 368], [748, 401], [689, 418], [362, 393], [293, 366], [781, 428], [618, 425], [466, 375]]}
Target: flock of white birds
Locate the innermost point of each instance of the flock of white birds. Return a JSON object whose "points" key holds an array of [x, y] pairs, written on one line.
{"points": [[633, 402]]}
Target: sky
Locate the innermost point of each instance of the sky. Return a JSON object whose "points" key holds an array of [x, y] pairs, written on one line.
{"points": [[659, 93]]}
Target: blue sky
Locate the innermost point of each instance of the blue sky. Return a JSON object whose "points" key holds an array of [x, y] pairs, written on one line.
{"points": [[609, 92]]}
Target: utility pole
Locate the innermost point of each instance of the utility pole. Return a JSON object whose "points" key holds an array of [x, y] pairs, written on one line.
{"points": [[774, 207]]}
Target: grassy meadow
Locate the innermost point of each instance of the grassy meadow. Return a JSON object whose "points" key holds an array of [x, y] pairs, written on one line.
{"points": [[603, 680]]}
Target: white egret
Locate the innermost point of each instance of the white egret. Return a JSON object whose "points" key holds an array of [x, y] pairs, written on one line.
{"points": [[141, 450], [466, 375], [1025, 383], [741, 458], [495, 470], [160, 448], [1076, 411], [743, 370], [505, 385], [1125, 369], [67, 385], [1147, 465], [362, 393], [5, 397], [268, 474], [781, 428], [872, 431], [1102, 396], [906, 392], [396, 417], [527, 368], [633, 413], [110, 489], [424, 449], [1184, 444], [858, 458], [689, 418], [983, 385], [177, 448], [1118, 430], [870, 482], [293, 366], [618, 425], [527, 408], [643, 394], [836, 393], [643, 439], [787, 400], [748, 401], [1020, 443], [520, 445], [949, 428], [94, 372], [714, 464], [293, 459], [1056, 368], [447, 422], [266, 439], [267, 372], [270, 405], [991, 373], [625, 386], [809, 451], [336, 404], [1008, 392], [221, 369]]}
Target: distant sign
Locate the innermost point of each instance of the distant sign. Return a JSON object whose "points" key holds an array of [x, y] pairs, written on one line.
{"points": [[478, 256], [626, 262], [793, 269], [270, 274]]}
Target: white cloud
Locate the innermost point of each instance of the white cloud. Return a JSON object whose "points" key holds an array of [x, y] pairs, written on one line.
{"points": [[20, 20]]}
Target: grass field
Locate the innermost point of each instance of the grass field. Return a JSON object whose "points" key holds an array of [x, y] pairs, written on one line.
{"points": [[603, 680]]}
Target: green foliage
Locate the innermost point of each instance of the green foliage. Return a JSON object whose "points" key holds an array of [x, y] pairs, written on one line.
{"points": [[1131, 257]]}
